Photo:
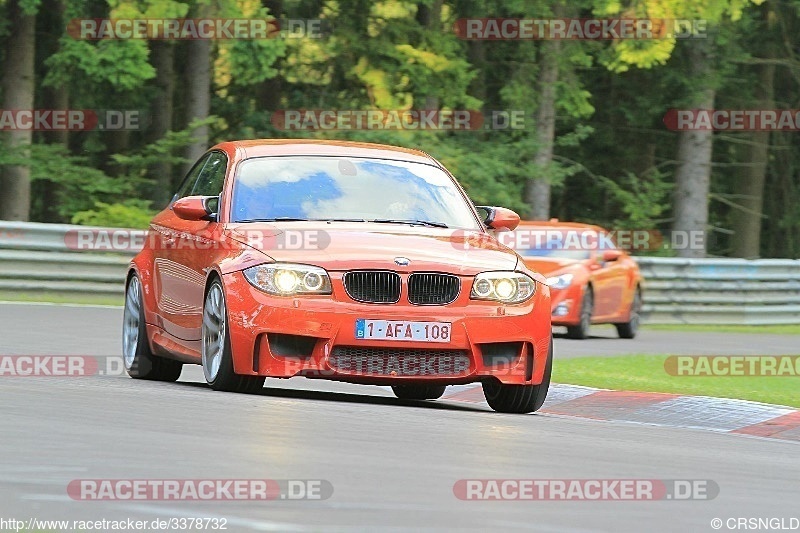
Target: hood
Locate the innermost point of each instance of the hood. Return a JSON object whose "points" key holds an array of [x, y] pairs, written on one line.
{"points": [[549, 266], [346, 246]]}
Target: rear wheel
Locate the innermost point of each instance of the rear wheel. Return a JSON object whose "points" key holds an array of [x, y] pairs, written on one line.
{"points": [[139, 361], [519, 398], [627, 330], [581, 330], [418, 392], [216, 347]]}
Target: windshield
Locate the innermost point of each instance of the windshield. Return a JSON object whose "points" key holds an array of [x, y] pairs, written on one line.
{"points": [[555, 253], [557, 243], [336, 188]]}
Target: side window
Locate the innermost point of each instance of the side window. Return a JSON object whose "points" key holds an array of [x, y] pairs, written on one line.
{"points": [[212, 177], [191, 178]]}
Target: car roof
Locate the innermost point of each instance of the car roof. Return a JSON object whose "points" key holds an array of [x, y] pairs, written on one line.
{"points": [[556, 224], [311, 147]]}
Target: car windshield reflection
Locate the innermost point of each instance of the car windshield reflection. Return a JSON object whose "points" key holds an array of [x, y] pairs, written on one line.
{"points": [[333, 188]]}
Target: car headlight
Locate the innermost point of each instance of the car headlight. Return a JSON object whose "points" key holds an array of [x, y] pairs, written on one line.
{"points": [[284, 279], [560, 282], [506, 287]]}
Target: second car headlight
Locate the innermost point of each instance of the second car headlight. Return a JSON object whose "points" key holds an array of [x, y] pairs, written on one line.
{"points": [[560, 282], [506, 287], [286, 279]]}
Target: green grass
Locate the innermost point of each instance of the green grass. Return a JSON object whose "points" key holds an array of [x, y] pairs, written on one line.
{"points": [[783, 329], [59, 298], [646, 373]]}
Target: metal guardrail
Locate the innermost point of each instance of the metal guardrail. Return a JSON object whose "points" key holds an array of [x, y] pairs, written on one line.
{"points": [[721, 291], [35, 258]]}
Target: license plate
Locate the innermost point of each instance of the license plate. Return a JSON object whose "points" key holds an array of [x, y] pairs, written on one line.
{"points": [[402, 330]]}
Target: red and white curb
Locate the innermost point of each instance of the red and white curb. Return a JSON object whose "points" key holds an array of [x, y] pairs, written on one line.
{"points": [[661, 409]]}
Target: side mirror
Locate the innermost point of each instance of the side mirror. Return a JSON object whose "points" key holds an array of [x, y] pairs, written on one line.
{"points": [[499, 218], [196, 208], [611, 255]]}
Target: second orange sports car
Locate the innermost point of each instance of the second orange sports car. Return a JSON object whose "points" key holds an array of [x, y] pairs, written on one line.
{"points": [[591, 280], [336, 260]]}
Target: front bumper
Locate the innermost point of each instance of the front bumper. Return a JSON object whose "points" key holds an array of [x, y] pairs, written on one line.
{"points": [[316, 337], [566, 305]]}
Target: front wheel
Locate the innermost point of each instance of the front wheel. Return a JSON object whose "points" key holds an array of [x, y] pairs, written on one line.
{"points": [[140, 363], [418, 392], [628, 330], [519, 398], [581, 330], [216, 347]]}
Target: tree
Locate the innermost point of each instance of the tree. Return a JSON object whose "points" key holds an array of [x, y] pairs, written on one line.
{"points": [[695, 148], [538, 190], [750, 190], [197, 84], [162, 55], [18, 94]]}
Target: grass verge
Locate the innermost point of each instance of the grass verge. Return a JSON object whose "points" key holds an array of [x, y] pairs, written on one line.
{"points": [[646, 373], [60, 298], [781, 329]]}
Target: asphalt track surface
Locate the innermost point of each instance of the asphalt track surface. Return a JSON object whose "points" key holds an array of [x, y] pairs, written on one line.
{"points": [[392, 464]]}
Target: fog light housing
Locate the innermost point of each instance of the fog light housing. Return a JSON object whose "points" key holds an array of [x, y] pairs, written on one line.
{"points": [[561, 309]]}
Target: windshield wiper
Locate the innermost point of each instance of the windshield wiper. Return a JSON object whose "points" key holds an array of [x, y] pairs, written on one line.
{"points": [[297, 219], [377, 221], [276, 219], [410, 222]]}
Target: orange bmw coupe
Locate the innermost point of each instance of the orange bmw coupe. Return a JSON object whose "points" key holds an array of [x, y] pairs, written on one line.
{"points": [[345, 261], [591, 280]]}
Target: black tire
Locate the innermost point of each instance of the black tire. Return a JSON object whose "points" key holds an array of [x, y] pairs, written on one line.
{"points": [[225, 378], [419, 392], [628, 330], [519, 398], [581, 330], [139, 361]]}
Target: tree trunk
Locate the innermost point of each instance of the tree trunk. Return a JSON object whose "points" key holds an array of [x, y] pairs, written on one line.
{"points": [[163, 59], [537, 194], [18, 92], [476, 54], [47, 192], [750, 190], [695, 148], [430, 18], [198, 96], [750, 186], [270, 91], [117, 142]]}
